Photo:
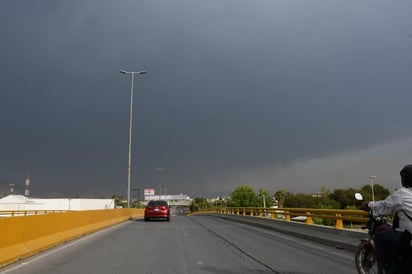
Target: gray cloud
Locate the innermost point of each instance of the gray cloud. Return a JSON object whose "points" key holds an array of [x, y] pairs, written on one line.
{"points": [[233, 88]]}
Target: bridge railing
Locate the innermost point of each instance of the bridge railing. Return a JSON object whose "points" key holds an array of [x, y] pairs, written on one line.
{"points": [[287, 214], [16, 213]]}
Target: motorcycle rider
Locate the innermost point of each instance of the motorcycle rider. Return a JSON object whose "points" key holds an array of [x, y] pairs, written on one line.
{"points": [[400, 203]]}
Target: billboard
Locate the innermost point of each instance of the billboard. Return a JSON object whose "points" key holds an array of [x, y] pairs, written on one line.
{"points": [[149, 191]]}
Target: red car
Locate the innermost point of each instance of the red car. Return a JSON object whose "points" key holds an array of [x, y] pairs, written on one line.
{"points": [[157, 209]]}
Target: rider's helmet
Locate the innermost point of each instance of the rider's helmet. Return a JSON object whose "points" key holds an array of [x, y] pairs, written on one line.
{"points": [[406, 176]]}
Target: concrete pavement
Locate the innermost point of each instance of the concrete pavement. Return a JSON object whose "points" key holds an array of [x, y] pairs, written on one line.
{"points": [[339, 238]]}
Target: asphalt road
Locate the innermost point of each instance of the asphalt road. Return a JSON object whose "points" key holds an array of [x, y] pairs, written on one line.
{"points": [[197, 244]]}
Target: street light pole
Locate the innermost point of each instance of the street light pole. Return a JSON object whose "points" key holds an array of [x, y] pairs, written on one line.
{"points": [[130, 130], [372, 178], [159, 169], [263, 197]]}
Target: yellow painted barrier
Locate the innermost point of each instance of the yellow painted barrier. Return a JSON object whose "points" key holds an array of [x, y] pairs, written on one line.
{"points": [[24, 236]]}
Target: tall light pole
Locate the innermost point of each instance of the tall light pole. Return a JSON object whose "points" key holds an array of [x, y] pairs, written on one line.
{"points": [[372, 178], [130, 130], [264, 203], [160, 169]]}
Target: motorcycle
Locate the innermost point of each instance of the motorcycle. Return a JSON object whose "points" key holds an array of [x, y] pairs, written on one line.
{"points": [[366, 259]]}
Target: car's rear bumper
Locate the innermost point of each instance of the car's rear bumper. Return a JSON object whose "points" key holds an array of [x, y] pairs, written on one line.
{"points": [[156, 216]]}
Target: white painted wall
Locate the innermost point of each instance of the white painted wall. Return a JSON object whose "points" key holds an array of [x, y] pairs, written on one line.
{"points": [[20, 202]]}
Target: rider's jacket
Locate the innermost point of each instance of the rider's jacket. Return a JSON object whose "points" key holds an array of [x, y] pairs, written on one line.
{"points": [[399, 202]]}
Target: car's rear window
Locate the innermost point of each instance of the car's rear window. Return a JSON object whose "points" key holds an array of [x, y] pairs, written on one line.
{"points": [[157, 203]]}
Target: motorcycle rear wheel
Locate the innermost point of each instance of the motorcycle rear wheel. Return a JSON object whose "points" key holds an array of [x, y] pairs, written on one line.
{"points": [[365, 259]]}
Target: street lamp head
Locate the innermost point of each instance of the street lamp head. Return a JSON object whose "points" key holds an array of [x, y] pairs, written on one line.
{"points": [[133, 72]]}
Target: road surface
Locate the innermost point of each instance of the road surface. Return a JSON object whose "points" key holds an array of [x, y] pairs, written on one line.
{"points": [[196, 244]]}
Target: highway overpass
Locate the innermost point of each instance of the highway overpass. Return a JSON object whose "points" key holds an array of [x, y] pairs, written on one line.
{"points": [[197, 244]]}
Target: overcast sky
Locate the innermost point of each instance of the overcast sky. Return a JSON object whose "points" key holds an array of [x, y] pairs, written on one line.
{"points": [[295, 94]]}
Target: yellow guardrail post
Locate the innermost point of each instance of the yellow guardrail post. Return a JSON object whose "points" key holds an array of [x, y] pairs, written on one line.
{"points": [[309, 220], [287, 216], [339, 222], [244, 211], [251, 212]]}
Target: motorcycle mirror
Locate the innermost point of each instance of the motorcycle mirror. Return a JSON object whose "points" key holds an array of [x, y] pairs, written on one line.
{"points": [[358, 196]]}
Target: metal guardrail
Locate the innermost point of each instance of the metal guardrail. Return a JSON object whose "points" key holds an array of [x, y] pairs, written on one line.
{"points": [[17, 213], [287, 214]]}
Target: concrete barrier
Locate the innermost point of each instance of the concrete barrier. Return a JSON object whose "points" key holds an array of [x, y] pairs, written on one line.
{"points": [[287, 214], [339, 238], [21, 237]]}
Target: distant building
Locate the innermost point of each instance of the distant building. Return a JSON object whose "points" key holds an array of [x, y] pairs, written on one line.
{"points": [[317, 195], [20, 202], [172, 200]]}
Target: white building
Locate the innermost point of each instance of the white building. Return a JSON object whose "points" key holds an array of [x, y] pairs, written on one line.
{"points": [[20, 202], [172, 200]]}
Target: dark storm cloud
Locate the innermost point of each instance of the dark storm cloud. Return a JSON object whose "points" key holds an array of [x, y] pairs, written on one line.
{"points": [[232, 87]]}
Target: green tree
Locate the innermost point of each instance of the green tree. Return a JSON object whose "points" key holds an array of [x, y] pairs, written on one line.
{"points": [[380, 192], [300, 200], [119, 201], [324, 201], [200, 203], [324, 190], [345, 197], [280, 197], [136, 204], [194, 206], [243, 196]]}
